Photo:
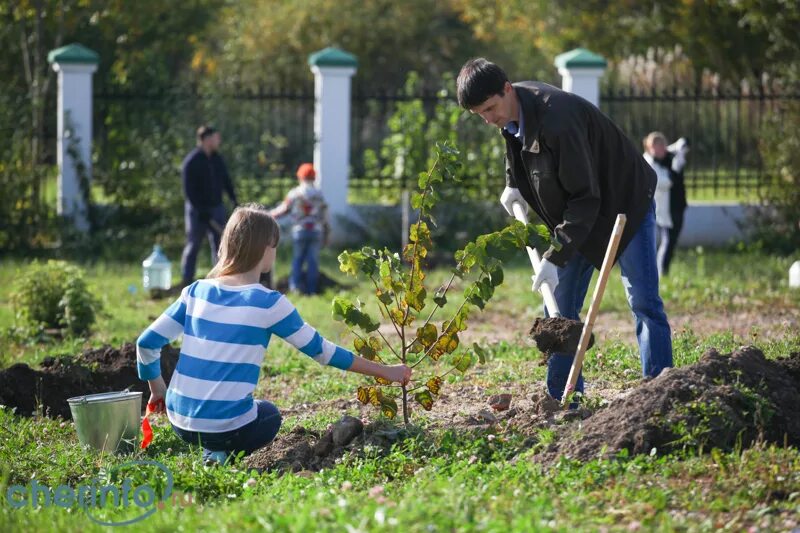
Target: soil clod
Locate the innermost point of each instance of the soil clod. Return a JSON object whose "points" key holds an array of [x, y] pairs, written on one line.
{"points": [[557, 335], [500, 402]]}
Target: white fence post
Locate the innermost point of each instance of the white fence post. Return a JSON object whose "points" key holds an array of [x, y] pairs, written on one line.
{"points": [[75, 65], [333, 70], [581, 71]]}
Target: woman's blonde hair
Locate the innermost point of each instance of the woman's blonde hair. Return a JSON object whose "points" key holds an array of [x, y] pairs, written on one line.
{"points": [[246, 236], [652, 138]]}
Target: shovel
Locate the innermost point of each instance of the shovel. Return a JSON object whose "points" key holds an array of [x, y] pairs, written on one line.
{"points": [[599, 289]]}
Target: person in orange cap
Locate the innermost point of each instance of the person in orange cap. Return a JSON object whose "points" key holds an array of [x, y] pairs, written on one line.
{"points": [[310, 229]]}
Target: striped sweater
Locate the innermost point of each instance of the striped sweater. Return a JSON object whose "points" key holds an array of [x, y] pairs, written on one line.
{"points": [[226, 330]]}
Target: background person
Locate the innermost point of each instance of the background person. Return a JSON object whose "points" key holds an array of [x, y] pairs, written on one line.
{"points": [[577, 170], [227, 321], [668, 162], [310, 229], [205, 176]]}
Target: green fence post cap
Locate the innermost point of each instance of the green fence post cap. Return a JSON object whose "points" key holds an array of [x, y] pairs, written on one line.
{"points": [[73, 53], [332, 57], [580, 58]]}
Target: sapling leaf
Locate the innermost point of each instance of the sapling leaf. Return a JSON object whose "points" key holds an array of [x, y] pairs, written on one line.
{"points": [[425, 399], [375, 396], [434, 384], [439, 297], [363, 395], [427, 335], [383, 381], [463, 361], [481, 353], [388, 406]]}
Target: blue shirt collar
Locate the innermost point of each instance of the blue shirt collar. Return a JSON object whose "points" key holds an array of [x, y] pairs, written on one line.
{"points": [[516, 128]]}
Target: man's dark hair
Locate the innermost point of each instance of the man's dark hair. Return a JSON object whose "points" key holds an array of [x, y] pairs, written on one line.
{"points": [[479, 80], [205, 131]]}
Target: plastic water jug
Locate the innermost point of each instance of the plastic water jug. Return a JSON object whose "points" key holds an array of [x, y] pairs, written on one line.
{"points": [[794, 275], [157, 271]]}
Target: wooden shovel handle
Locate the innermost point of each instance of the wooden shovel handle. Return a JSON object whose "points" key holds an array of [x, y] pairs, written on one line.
{"points": [[599, 289]]}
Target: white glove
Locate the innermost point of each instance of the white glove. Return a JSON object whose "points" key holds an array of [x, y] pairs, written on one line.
{"points": [[511, 195], [548, 273], [680, 148]]}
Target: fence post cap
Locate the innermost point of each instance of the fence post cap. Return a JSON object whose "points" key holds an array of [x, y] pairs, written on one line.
{"points": [[580, 58], [75, 54], [332, 57]]}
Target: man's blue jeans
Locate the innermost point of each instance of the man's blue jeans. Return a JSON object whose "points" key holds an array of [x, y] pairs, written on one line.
{"points": [[640, 279], [306, 246], [247, 438]]}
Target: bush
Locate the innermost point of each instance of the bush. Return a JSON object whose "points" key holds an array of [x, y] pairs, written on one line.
{"points": [[777, 228], [55, 295]]}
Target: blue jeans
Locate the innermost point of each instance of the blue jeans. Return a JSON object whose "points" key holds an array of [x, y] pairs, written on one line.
{"points": [[306, 246], [247, 438], [640, 279]]}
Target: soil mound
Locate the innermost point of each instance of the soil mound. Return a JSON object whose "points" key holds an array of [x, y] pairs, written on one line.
{"points": [[302, 449], [723, 401], [557, 334], [98, 370]]}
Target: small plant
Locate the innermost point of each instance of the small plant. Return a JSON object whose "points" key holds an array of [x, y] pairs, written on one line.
{"points": [[402, 297], [54, 295]]}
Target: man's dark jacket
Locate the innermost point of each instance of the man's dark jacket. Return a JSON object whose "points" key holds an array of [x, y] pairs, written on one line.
{"points": [[577, 170], [204, 179]]}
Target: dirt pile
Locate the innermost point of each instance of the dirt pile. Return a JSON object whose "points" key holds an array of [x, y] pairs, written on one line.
{"points": [[723, 401], [557, 334], [302, 449], [103, 369]]}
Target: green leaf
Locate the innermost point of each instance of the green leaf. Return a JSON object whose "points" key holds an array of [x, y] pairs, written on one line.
{"points": [[427, 335], [420, 233], [463, 361], [496, 275], [425, 399], [345, 311], [481, 353], [388, 406], [384, 297]]}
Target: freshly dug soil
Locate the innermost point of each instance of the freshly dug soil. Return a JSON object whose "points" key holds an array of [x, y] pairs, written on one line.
{"points": [[302, 449], [323, 284], [103, 369], [723, 401], [557, 334]]}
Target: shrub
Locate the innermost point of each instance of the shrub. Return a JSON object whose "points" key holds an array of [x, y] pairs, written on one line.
{"points": [[55, 295]]}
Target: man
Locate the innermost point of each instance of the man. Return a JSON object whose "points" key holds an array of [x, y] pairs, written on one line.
{"points": [[577, 170], [204, 178]]}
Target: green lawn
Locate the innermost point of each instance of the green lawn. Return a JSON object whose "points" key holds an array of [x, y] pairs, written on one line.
{"points": [[436, 479]]}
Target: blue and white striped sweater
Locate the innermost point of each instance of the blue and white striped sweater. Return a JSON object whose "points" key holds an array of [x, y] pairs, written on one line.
{"points": [[226, 330]]}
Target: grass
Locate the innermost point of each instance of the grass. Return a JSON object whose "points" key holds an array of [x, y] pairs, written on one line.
{"points": [[435, 479]]}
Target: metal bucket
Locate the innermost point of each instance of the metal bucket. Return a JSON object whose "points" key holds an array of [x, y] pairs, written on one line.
{"points": [[109, 421]]}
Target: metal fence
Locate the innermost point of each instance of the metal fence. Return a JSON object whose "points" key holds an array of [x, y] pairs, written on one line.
{"points": [[266, 134], [724, 130]]}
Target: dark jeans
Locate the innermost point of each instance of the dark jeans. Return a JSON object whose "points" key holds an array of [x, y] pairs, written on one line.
{"points": [[247, 438], [669, 241], [196, 230], [640, 279], [306, 246]]}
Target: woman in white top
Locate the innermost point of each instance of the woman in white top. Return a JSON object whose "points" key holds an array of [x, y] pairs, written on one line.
{"points": [[668, 163]]}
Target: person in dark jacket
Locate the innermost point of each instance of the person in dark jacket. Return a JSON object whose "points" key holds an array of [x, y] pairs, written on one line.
{"points": [[205, 176], [668, 163], [577, 170]]}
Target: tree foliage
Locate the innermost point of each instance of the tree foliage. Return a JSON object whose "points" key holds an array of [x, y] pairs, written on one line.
{"points": [[409, 305]]}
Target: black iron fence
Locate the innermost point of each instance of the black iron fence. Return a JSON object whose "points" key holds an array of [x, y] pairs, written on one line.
{"points": [[266, 134]]}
